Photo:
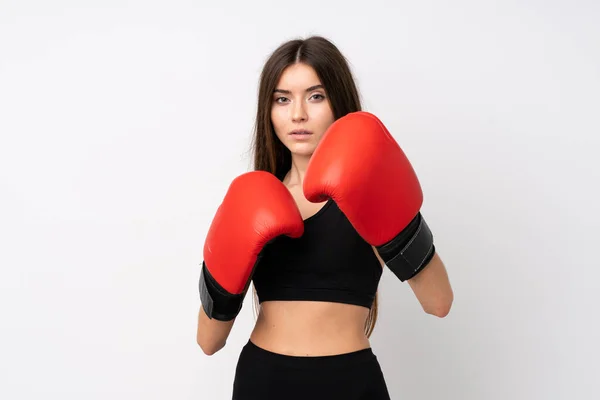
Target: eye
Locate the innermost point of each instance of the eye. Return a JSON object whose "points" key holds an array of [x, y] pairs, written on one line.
{"points": [[280, 99], [318, 96]]}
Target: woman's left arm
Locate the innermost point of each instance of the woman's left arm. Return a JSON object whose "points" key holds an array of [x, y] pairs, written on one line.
{"points": [[431, 287]]}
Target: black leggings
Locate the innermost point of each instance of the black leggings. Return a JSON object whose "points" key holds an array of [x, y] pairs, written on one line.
{"points": [[264, 375]]}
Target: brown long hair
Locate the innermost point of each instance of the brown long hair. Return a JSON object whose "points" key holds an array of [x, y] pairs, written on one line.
{"points": [[334, 72]]}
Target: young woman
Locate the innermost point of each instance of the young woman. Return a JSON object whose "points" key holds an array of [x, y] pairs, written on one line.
{"points": [[313, 249]]}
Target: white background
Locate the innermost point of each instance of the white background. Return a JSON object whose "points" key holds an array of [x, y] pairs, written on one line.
{"points": [[122, 124]]}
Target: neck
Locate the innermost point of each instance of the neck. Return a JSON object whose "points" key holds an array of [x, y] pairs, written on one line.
{"points": [[296, 174]]}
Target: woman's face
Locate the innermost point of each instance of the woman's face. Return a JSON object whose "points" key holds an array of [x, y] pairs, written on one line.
{"points": [[301, 112]]}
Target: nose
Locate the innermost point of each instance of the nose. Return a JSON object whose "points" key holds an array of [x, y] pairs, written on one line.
{"points": [[298, 112]]}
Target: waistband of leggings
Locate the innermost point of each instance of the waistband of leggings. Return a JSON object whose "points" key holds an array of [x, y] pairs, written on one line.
{"points": [[330, 361]]}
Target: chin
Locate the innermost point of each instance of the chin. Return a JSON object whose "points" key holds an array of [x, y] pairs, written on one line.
{"points": [[302, 150]]}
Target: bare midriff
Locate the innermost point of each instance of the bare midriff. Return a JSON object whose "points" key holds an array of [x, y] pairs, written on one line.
{"points": [[310, 328]]}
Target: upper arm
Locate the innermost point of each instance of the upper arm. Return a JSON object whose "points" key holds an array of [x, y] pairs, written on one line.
{"points": [[432, 287]]}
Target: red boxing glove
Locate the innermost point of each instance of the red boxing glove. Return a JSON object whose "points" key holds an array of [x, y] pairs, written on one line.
{"points": [[256, 209], [362, 168]]}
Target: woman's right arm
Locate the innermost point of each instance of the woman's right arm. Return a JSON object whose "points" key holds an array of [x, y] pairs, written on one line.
{"points": [[256, 209], [212, 334]]}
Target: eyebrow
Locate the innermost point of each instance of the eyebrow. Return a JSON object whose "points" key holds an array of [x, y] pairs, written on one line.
{"points": [[310, 89]]}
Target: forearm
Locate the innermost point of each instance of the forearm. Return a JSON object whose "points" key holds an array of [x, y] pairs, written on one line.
{"points": [[432, 288], [212, 334]]}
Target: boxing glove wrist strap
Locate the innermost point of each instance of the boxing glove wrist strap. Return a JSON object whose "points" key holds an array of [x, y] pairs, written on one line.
{"points": [[216, 301], [409, 252]]}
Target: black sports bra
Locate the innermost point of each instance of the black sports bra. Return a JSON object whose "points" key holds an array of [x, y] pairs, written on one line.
{"points": [[329, 262]]}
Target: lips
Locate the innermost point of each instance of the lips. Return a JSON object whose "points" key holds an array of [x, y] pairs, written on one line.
{"points": [[300, 132]]}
